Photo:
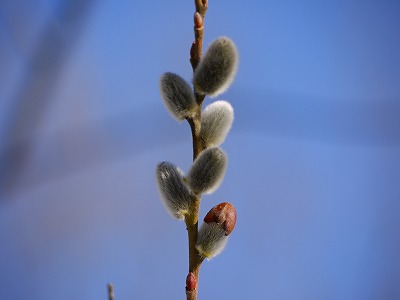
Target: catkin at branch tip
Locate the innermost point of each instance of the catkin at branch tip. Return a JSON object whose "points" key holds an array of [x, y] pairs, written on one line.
{"points": [[217, 68]]}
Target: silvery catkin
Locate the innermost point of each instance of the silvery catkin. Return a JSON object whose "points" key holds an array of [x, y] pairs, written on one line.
{"points": [[217, 68], [207, 171], [216, 121], [173, 191], [177, 95]]}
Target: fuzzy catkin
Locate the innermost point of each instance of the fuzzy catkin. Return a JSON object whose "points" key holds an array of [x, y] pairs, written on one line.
{"points": [[177, 95], [216, 121], [173, 191], [207, 171], [211, 240], [217, 68]]}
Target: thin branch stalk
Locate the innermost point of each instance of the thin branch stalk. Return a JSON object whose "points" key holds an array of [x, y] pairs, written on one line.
{"points": [[191, 220], [192, 223], [195, 259], [197, 46], [201, 7]]}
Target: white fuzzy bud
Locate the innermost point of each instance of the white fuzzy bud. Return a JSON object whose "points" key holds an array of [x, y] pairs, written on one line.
{"points": [[216, 121], [207, 171], [177, 95], [173, 191], [211, 240], [217, 68]]}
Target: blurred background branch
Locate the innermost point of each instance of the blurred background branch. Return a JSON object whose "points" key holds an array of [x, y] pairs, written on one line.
{"points": [[42, 68]]}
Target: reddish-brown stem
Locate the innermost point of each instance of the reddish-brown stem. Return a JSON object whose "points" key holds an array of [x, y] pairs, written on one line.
{"points": [[201, 7], [191, 220], [195, 259], [197, 46], [195, 126]]}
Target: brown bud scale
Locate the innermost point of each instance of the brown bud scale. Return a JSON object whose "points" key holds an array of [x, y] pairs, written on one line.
{"points": [[223, 214], [191, 282], [193, 50], [198, 21]]}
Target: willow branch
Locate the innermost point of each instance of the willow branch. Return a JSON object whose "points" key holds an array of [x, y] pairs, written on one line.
{"points": [[191, 220]]}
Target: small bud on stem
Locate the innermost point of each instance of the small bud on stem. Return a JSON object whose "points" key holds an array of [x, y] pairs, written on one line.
{"points": [[191, 282], [223, 214], [193, 49], [198, 21]]}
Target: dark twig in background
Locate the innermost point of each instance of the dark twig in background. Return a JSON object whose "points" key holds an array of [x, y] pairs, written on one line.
{"points": [[110, 288]]}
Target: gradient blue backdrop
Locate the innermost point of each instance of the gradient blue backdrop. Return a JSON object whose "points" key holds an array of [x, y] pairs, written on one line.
{"points": [[314, 152]]}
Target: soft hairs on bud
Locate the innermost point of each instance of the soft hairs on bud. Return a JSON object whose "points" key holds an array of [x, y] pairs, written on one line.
{"points": [[177, 95], [207, 171], [211, 240], [216, 121], [173, 191], [217, 69]]}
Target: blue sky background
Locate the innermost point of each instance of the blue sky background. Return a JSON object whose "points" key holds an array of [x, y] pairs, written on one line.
{"points": [[314, 152]]}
